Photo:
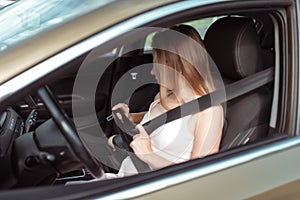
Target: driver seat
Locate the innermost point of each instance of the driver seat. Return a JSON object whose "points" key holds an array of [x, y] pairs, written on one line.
{"points": [[233, 44]]}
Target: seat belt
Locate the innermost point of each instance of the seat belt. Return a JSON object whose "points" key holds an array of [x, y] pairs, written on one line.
{"points": [[232, 90], [216, 97]]}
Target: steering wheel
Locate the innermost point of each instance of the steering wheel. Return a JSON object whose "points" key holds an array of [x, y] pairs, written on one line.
{"points": [[69, 132]]}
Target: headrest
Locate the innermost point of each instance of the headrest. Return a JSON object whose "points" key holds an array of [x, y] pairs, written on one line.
{"points": [[233, 44]]}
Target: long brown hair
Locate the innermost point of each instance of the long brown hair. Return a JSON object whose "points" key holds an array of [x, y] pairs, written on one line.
{"points": [[182, 48]]}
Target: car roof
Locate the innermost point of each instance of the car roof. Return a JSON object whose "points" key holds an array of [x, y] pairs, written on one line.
{"points": [[24, 56]]}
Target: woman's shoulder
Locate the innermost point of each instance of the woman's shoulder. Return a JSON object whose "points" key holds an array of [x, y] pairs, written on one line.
{"points": [[213, 112], [202, 120], [217, 109]]}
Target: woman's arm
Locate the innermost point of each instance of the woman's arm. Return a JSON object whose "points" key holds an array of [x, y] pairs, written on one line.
{"points": [[134, 117], [208, 132]]}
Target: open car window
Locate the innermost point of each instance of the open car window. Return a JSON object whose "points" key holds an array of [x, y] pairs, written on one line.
{"points": [[124, 76]]}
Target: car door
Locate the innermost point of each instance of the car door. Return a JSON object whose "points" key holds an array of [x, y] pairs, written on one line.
{"points": [[243, 172]]}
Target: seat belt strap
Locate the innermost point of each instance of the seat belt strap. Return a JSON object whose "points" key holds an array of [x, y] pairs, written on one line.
{"points": [[232, 90]]}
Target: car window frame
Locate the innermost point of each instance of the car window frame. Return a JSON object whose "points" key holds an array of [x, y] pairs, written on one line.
{"points": [[254, 147]]}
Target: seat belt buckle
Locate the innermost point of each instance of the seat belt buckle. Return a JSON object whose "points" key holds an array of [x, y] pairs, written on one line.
{"points": [[110, 117]]}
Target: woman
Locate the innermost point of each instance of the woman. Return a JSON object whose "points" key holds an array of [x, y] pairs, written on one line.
{"points": [[181, 68]]}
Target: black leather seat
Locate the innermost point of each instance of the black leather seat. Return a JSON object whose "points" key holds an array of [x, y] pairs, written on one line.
{"points": [[233, 44]]}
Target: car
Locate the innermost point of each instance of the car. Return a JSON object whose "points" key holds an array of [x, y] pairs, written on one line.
{"points": [[64, 64]]}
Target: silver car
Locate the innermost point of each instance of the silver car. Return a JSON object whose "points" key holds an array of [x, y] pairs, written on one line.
{"points": [[64, 64]]}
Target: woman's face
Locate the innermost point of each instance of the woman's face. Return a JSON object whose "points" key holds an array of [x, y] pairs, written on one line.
{"points": [[165, 74], [155, 69], [155, 72]]}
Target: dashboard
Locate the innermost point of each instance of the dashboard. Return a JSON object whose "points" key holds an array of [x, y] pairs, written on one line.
{"points": [[31, 151], [11, 127]]}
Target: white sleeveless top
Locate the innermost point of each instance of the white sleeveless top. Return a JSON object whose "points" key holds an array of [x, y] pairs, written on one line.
{"points": [[172, 141]]}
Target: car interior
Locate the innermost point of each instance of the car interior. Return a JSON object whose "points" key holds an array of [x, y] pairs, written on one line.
{"points": [[240, 45]]}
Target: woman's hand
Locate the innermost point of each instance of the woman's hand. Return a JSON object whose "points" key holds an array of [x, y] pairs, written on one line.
{"points": [[141, 146], [141, 143], [125, 109]]}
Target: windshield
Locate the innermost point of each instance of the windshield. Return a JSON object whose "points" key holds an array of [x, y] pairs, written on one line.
{"points": [[24, 19]]}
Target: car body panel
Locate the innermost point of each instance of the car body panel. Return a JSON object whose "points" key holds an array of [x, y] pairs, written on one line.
{"points": [[287, 191], [241, 181]]}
